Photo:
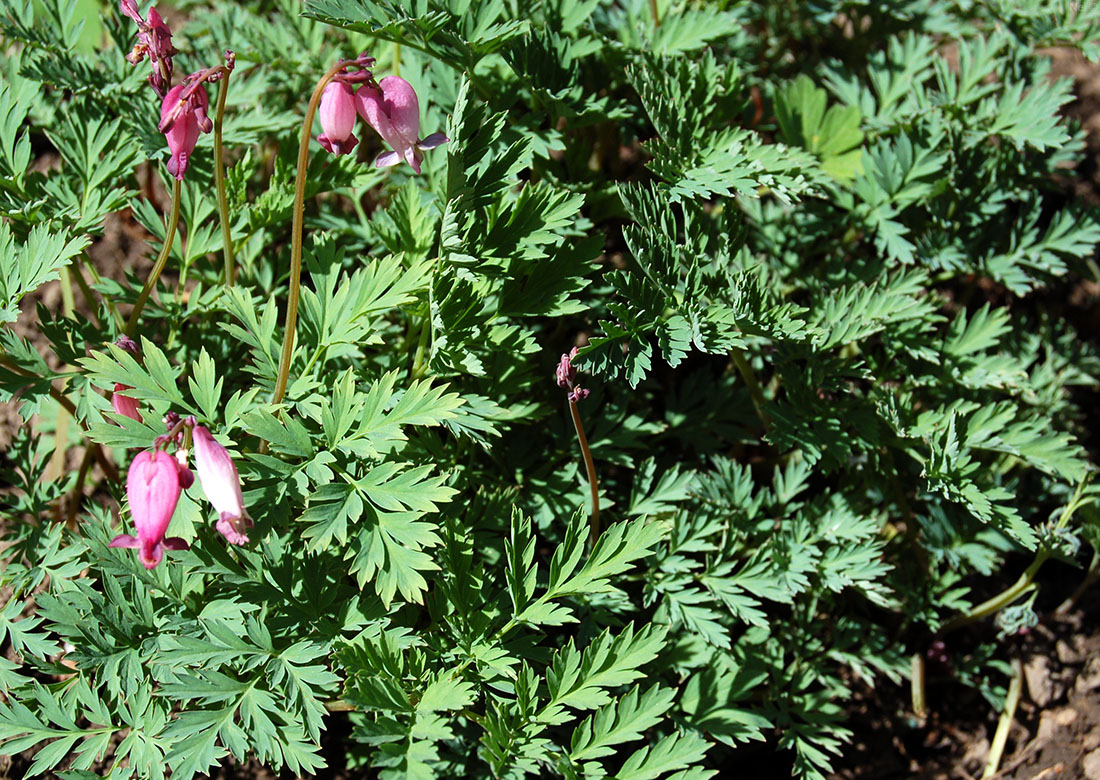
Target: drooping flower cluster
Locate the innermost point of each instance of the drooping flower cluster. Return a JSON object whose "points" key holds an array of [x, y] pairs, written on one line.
{"points": [[390, 106], [566, 376], [154, 42], [184, 107], [156, 479], [183, 116]]}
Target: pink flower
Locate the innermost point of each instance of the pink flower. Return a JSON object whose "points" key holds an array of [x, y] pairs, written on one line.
{"points": [[153, 488], [182, 116], [337, 118], [154, 41], [124, 404], [219, 480], [393, 110]]}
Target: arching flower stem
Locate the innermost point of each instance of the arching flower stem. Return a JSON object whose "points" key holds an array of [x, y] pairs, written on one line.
{"points": [[162, 260], [283, 376]]}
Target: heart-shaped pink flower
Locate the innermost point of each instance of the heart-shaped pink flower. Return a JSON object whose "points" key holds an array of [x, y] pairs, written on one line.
{"points": [[393, 110], [153, 489]]}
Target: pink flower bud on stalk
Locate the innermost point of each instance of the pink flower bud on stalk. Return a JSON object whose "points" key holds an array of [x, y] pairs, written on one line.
{"points": [[393, 110], [154, 41], [124, 404], [566, 375], [219, 480], [153, 489], [338, 116], [128, 344]]}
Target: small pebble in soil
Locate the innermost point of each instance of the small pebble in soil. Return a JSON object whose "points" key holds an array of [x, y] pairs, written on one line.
{"points": [[1090, 765]]}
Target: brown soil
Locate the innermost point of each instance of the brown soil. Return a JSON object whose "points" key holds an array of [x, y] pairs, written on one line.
{"points": [[1056, 730]]}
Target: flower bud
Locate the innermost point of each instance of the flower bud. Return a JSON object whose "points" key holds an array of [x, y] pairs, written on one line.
{"points": [[222, 486], [337, 118], [565, 374], [124, 404], [153, 489]]}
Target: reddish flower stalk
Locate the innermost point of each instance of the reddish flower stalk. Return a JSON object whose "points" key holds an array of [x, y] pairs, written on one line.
{"points": [[298, 217], [566, 376]]}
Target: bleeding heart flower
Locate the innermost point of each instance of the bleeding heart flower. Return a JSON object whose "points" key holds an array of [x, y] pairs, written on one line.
{"points": [[222, 486], [393, 110], [337, 118], [182, 117], [153, 488]]}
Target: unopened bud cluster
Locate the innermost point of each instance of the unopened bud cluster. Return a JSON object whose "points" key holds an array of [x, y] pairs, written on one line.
{"points": [[566, 375]]}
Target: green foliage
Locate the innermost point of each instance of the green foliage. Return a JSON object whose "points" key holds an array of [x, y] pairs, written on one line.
{"points": [[813, 266]]}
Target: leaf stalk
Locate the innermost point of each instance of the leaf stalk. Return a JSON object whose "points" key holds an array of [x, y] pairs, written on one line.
{"points": [[758, 402], [1004, 725]]}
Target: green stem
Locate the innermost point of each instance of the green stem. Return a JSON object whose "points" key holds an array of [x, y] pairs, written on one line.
{"points": [[753, 386], [78, 490], [590, 467], [313, 360], [86, 291], [654, 13], [419, 367], [283, 377], [916, 684], [1001, 600], [61, 428], [1025, 583], [219, 181], [1004, 725], [68, 303], [1091, 576], [162, 260]]}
